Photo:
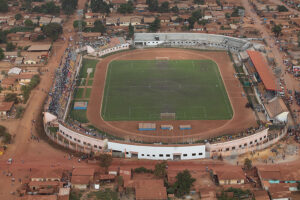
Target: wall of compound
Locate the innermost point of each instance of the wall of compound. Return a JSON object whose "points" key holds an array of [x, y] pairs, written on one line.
{"points": [[159, 152]]}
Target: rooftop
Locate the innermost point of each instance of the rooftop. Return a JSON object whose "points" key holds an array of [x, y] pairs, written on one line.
{"points": [[80, 180], [39, 47], [150, 189], [275, 107], [263, 70], [6, 106]]}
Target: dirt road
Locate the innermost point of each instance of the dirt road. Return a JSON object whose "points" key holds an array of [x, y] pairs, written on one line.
{"points": [[23, 147], [291, 83]]}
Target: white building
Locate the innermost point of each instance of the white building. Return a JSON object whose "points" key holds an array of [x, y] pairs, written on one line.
{"points": [[196, 40]]}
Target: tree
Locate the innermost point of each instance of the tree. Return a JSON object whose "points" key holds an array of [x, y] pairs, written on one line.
{"points": [[47, 8], [76, 22], [154, 26], [276, 29], [99, 6], [203, 22], [1, 54], [282, 8], [183, 184], [69, 6], [10, 46], [164, 7], [247, 163], [3, 6], [2, 36], [191, 21], [105, 161], [99, 27], [227, 15], [298, 185], [53, 30], [26, 4], [28, 23], [126, 8], [197, 14], [175, 9], [130, 31], [6, 137], [160, 169], [18, 16], [201, 2], [9, 97], [152, 5]]}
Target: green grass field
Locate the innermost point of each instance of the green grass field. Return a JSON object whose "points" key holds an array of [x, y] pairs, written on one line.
{"points": [[142, 89], [87, 63], [78, 93], [88, 92], [78, 115]]}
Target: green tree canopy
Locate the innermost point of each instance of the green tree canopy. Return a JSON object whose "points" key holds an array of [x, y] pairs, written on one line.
{"points": [[282, 8], [47, 8], [18, 16], [69, 6], [183, 184], [99, 6], [130, 31], [1, 54], [276, 29], [9, 97], [160, 169], [105, 161], [175, 9], [247, 163], [5, 135], [52, 30], [152, 5], [2, 37], [99, 27], [164, 7], [201, 2], [3, 6], [76, 22], [126, 8], [28, 23], [10, 46], [154, 26]]}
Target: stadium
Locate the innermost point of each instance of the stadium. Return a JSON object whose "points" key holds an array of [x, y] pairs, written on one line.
{"points": [[184, 91]]}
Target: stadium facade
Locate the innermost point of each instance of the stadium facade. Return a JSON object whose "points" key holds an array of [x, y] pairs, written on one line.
{"points": [[192, 40]]}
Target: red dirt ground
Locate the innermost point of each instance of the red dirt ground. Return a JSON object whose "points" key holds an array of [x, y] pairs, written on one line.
{"points": [[242, 118]]}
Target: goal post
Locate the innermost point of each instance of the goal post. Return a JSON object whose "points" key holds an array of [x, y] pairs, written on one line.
{"points": [[167, 116]]}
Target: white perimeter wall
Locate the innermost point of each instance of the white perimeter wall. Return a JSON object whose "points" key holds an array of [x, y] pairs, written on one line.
{"points": [[81, 139], [160, 152]]}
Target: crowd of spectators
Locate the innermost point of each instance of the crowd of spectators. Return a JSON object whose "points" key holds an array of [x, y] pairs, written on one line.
{"points": [[64, 84]]}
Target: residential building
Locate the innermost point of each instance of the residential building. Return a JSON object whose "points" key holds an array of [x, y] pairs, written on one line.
{"points": [[5, 109]]}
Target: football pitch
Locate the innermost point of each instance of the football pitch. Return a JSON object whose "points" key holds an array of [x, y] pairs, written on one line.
{"points": [[140, 90]]}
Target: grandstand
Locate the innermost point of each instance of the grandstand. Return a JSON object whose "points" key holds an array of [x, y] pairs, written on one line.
{"points": [[192, 40]]}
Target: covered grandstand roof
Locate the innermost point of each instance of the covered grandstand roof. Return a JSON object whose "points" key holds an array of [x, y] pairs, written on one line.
{"points": [[263, 70]]}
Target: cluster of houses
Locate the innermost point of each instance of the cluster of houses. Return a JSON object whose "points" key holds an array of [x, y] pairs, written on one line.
{"points": [[288, 40], [263, 182], [34, 55], [11, 82], [219, 17], [8, 21]]}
